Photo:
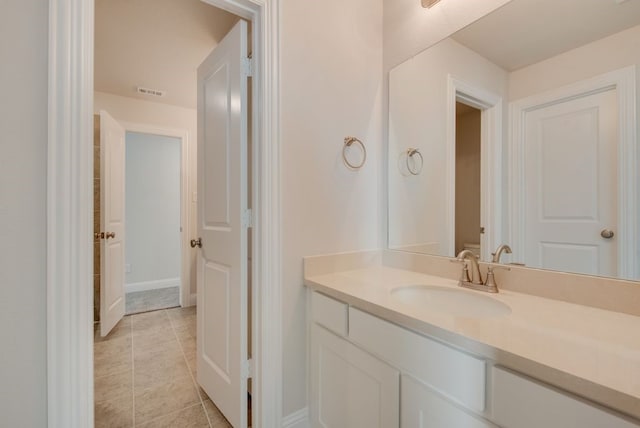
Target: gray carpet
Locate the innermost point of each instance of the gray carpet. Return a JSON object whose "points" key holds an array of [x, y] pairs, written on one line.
{"points": [[152, 300]]}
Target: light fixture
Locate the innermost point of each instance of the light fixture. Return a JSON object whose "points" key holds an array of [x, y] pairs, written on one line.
{"points": [[429, 3]]}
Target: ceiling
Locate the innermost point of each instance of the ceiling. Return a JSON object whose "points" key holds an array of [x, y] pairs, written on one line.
{"points": [[156, 44], [524, 32]]}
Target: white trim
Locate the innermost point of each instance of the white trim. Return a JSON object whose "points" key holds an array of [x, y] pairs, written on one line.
{"points": [[151, 285], [185, 200], [490, 164], [69, 215], [297, 419], [193, 299], [70, 222], [624, 82]]}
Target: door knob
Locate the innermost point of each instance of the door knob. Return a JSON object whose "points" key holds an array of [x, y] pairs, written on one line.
{"points": [[110, 235], [607, 234], [196, 243]]}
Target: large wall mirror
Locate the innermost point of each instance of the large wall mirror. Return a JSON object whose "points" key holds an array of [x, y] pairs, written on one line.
{"points": [[521, 129]]}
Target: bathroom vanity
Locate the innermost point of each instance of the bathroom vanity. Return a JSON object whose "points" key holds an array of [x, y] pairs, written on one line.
{"points": [[393, 347]]}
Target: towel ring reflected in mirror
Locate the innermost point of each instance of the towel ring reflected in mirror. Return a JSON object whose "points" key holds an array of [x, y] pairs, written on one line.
{"points": [[348, 141], [412, 165]]}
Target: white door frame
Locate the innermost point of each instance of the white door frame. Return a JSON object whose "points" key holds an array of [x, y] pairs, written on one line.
{"points": [[624, 82], [70, 212], [490, 161], [185, 212]]}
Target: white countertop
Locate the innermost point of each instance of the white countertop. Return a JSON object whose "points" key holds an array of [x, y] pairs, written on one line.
{"points": [[592, 352]]}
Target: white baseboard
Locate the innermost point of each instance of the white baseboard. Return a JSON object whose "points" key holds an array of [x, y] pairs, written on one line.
{"points": [[298, 419], [151, 285]]}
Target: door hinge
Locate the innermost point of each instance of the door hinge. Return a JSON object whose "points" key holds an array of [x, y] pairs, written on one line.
{"points": [[247, 218], [247, 369], [247, 67]]}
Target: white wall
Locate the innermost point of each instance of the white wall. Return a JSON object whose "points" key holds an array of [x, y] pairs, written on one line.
{"points": [[161, 116], [409, 28], [610, 53], [331, 59], [23, 175], [152, 208], [418, 118]]}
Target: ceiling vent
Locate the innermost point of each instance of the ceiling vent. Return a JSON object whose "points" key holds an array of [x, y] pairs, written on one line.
{"points": [[152, 92]]}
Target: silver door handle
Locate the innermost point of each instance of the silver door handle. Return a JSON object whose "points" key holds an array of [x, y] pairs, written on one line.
{"points": [[607, 234], [196, 243]]}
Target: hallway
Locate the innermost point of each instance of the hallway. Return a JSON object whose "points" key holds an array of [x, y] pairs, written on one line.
{"points": [[145, 374]]}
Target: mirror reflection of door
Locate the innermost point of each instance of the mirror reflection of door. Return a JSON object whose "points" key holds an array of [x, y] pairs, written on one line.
{"points": [[570, 164], [468, 188]]}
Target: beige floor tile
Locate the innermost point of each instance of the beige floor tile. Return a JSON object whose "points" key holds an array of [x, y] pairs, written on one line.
{"points": [[158, 372], [215, 416], [183, 319], [108, 388], [164, 342], [189, 346], [192, 363], [153, 337], [151, 403], [112, 347], [112, 357], [150, 321], [186, 331], [178, 313], [122, 329], [116, 413], [192, 417]]}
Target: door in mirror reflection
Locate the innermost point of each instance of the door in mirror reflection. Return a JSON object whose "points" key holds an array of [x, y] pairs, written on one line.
{"points": [[570, 150]]}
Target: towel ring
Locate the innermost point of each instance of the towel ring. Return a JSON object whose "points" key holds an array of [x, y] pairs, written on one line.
{"points": [[410, 155], [348, 141]]}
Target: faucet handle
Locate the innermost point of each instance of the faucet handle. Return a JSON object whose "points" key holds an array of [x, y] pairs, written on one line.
{"points": [[492, 266], [490, 282], [464, 276]]}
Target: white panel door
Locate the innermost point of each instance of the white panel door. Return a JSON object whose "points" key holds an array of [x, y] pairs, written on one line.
{"points": [[222, 203], [112, 151], [571, 192], [350, 388]]}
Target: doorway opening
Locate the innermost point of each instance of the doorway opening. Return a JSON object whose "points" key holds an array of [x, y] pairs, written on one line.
{"points": [[468, 192], [161, 349], [474, 177], [153, 223], [70, 359]]}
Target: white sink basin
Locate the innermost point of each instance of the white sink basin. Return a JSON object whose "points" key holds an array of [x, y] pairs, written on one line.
{"points": [[456, 302]]}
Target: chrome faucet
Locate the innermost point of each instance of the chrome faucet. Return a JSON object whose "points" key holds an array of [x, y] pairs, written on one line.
{"points": [[502, 248]]}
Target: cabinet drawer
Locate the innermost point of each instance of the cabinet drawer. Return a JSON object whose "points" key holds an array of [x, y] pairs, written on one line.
{"points": [[453, 373], [329, 313], [521, 403]]}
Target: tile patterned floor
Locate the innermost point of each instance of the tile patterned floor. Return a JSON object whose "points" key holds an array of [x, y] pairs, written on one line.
{"points": [[145, 374], [152, 300]]}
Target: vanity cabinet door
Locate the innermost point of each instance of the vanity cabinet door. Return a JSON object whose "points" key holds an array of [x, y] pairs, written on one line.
{"points": [[350, 388], [521, 403], [421, 407]]}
